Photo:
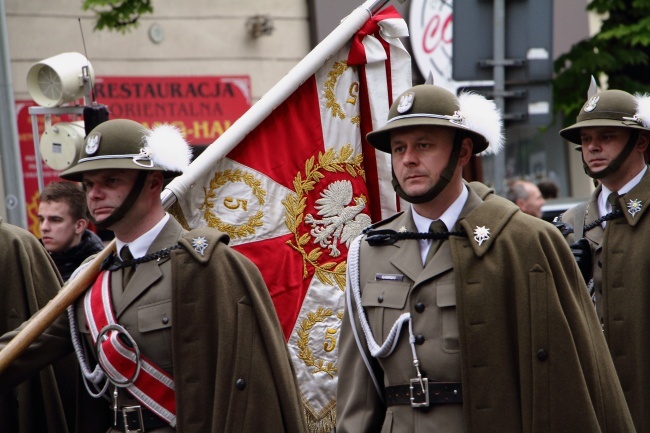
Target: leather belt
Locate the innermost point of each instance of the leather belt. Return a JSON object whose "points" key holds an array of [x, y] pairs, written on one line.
{"points": [[137, 419], [411, 394]]}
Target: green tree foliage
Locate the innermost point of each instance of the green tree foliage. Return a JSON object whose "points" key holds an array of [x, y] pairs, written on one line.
{"points": [[620, 51], [120, 15]]}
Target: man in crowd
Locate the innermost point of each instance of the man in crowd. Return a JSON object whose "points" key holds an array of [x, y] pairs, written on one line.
{"points": [[527, 196], [609, 233], [178, 332], [45, 402], [463, 314], [63, 222]]}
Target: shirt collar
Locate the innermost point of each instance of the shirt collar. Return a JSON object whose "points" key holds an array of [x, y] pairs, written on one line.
{"points": [[140, 246], [449, 217], [603, 205]]}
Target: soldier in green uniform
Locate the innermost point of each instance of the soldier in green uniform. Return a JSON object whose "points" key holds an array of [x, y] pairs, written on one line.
{"points": [[463, 314], [178, 332], [608, 234]]}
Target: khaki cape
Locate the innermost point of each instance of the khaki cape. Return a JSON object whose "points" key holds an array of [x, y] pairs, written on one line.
{"points": [[29, 281], [532, 356], [621, 269]]}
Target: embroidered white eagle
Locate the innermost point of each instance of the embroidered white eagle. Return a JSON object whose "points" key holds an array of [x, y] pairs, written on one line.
{"points": [[340, 222]]}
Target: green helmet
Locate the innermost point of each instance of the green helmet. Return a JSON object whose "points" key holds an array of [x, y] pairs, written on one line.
{"points": [[428, 104], [614, 108], [125, 144], [470, 114], [607, 108]]}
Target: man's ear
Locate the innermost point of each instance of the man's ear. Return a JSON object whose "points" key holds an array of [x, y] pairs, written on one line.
{"points": [[80, 226], [643, 141], [466, 147]]}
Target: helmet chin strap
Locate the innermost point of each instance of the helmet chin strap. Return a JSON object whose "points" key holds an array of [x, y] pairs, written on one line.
{"points": [[616, 164], [122, 209], [445, 176]]}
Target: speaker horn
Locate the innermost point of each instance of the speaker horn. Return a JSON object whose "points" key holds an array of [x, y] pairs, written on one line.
{"points": [[56, 80]]}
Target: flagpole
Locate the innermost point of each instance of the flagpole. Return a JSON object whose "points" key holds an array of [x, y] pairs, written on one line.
{"points": [[272, 99], [180, 185]]}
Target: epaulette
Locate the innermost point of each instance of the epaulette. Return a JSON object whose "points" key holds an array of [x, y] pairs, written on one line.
{"points": [[381, 223]]}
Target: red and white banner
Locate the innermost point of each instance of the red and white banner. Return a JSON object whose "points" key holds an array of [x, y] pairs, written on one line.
{"points": [[302, 185]]}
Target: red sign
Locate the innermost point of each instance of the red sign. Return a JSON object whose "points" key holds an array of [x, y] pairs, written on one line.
{"points": [[202, 107]]}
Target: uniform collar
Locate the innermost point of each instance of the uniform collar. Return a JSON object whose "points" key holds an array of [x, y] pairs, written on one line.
{"points": [[140, 246]]}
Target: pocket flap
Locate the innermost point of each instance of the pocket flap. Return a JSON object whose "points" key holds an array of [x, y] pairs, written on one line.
{"points": [[385, 294], [155, 316], [446, 295]]}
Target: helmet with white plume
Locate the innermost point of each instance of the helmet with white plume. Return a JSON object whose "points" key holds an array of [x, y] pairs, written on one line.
{"points": [[428, 104], [470, 115], [611, 108], [123, 144]]}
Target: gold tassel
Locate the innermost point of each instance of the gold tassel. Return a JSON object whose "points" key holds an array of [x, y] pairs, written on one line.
{"points": [[322, 424]]}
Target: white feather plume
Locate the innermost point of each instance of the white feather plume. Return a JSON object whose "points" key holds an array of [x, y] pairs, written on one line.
{"points": [[643, 109], [167, 148], [482, 116]]}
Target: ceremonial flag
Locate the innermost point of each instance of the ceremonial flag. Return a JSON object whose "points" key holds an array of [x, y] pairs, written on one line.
{"points": [[301, 186]]}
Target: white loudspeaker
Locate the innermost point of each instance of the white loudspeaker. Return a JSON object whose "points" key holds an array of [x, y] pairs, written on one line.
{"points": [[61, 143], [59, 79]]}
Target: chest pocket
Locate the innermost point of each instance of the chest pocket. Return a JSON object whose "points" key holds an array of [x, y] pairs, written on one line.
{"points": [[384, 302], [154, 328], [446, 302]]}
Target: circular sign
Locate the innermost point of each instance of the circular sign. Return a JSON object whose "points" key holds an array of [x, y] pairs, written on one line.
{"points": [[430, 25]]}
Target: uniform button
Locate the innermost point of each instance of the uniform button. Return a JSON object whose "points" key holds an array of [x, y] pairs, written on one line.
{"points": [[542, 355], [380, 298], [165, 319], [419, 307], [419, 339], [240, 384]]}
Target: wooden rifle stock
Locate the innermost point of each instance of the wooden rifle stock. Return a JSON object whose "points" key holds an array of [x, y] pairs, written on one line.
{"points": [[53, 309]]}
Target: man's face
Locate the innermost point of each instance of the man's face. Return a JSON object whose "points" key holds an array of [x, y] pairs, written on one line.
{"points": [[419, 155], [601, 145], [106, 190], [58, 229], [533, 204]]}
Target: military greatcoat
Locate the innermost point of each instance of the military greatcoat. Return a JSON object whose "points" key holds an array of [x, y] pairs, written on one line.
{"points": [[29, 281], [207, 318], [508, 317], [621, 268]]}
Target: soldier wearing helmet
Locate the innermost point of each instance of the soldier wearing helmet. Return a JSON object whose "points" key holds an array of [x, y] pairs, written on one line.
{"points": [[178, 332], [608, 233], [461, 310]]}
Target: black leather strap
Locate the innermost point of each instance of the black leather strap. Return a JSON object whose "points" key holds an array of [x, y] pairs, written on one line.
{"points": [[439, 392]]}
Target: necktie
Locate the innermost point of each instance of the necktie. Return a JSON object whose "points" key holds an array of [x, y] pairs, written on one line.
{"points": [[127, 272], [435, 227], [613, 201]]}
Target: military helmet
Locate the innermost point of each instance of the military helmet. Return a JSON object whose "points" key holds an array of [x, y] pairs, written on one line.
{"points": [[609, 108], [125, 144], [428, 104]]}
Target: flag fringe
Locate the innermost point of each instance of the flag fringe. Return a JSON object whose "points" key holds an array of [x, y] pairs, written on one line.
{"points": [[321, 424]]}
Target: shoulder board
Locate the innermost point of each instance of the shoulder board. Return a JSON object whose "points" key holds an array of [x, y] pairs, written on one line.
{"points": [[382, 222]]}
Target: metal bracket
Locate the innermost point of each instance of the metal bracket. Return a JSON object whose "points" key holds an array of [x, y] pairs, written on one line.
{"points": [[488, 63]]}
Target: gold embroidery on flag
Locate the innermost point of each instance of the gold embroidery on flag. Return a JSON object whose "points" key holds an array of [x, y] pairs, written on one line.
{"points": [[305, 353], [220, 179], [329, 273], [330, 92]]}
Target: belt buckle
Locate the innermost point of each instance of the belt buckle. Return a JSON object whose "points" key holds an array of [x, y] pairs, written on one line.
{"points": [[132, 416], [419, 392]]}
